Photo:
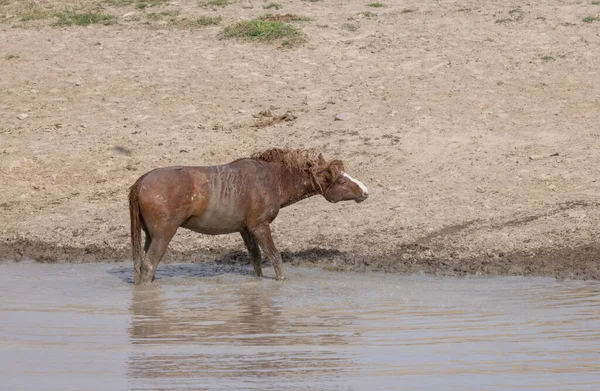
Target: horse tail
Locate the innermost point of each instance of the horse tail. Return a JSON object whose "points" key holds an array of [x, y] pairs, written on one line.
{"points": [[136, 231]]}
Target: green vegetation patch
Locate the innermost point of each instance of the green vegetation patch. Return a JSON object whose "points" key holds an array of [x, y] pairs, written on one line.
{"points": [[277, 6], [142, 4], [213, 3], [69, 18], [35, 13], [516, 14], [263, 30], [118, 3], [203, 21], [163, 14]]}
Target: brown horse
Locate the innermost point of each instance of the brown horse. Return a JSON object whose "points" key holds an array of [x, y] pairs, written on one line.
{"points": [[242, 196]]}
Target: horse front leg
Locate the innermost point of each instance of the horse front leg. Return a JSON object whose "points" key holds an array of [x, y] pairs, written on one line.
{"points": [[254, 251], [262, 233]]}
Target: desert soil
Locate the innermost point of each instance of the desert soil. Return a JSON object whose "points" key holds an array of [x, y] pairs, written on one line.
{"points": [[474, 125]]}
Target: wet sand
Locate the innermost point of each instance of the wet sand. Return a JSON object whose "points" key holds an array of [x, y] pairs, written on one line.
{"points": [[207, 326]]}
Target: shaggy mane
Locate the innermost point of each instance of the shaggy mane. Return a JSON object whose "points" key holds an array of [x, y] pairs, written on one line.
{"points": [[301, 159]]}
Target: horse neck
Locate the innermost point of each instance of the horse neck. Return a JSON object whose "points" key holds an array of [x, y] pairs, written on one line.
{"points": [[294, 186]]}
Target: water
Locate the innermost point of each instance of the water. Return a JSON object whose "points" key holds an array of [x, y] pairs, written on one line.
{"points": [[201, 327]]}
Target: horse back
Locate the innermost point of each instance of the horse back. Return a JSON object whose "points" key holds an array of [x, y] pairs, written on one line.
{"points": [[207, 199]]}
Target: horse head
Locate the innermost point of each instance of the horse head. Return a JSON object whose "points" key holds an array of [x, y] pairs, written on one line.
{"points": [[336, 185]]}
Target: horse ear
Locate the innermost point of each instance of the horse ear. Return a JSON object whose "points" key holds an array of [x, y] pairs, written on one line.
{"points": [[321, 158], [335, 168]]}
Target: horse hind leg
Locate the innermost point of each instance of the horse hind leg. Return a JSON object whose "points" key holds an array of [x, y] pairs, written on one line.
{"points": [[148, 240], [138, 262], [157, 246], [254, 251]]}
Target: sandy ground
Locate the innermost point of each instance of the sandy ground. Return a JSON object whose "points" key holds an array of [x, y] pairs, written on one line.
{"points": [[474, 124]]}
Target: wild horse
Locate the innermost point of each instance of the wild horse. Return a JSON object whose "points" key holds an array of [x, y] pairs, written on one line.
{"points": [[243, 196]]}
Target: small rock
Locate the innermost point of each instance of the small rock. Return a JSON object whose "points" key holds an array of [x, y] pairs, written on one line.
{"points": [[555, 154], [265, 113], [22, 116], [78, 83], [342, 117], [479, 189], [123, 150]]}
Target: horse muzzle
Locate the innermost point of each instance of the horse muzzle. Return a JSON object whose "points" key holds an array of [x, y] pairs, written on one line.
{"points": [[362, 198]]}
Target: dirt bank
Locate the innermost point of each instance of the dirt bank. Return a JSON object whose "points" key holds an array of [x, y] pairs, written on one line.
{"points": [[474, 126]]}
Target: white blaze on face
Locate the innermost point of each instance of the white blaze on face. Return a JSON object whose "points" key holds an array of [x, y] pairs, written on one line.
{"points": [[359, 183]]}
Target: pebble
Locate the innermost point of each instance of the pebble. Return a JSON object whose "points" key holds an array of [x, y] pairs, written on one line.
{"points": [[342, 117], [22, 116]]}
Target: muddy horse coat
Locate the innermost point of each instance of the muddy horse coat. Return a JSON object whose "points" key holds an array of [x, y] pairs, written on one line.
{"points": [[242, 196]]}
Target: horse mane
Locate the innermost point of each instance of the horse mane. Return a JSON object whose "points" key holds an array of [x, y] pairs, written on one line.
{"points": [[301, 159]]}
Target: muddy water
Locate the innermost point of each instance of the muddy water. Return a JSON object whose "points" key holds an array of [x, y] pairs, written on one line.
{"points": [[85, 327]]}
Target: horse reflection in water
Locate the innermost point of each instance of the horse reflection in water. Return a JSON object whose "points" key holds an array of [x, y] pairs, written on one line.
{"points": [[243, 196], [234, 333], [188, 320]]}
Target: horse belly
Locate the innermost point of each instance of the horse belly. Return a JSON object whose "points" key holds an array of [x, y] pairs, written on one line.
{"points": [[215, 223]]}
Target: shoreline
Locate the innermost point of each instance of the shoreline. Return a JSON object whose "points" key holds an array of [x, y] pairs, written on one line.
{"points": [[560, 263]]}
